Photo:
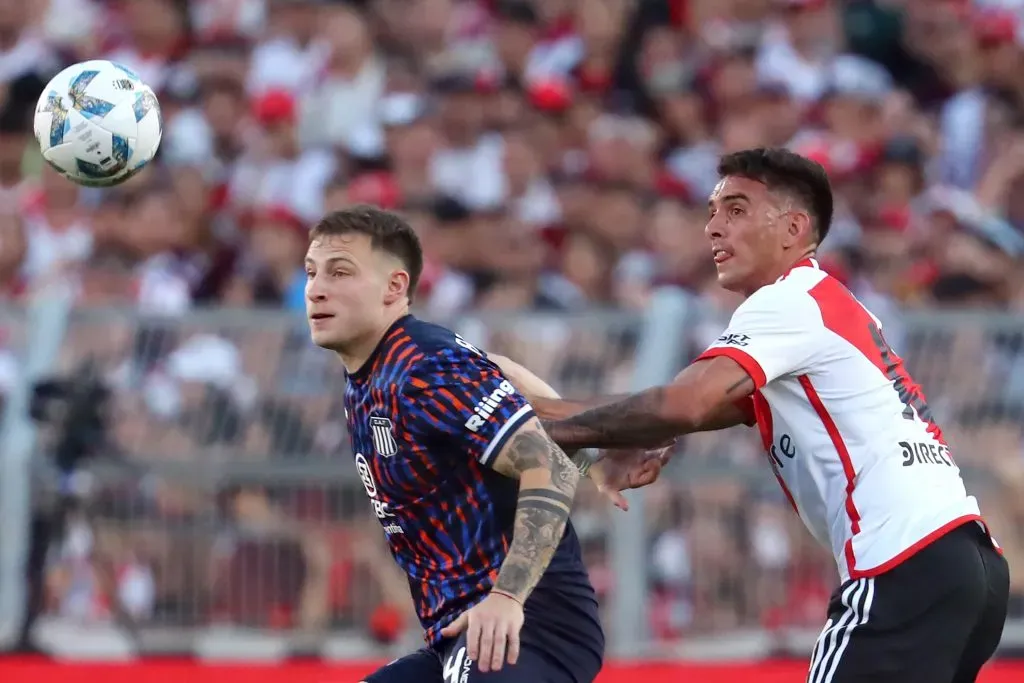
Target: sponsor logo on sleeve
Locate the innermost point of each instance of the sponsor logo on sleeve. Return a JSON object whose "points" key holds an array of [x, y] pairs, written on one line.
{"points": [[486, 407], [733, 339]]}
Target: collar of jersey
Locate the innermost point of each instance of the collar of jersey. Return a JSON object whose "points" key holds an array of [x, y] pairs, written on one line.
{"points": [[809, 262], [361, 374]]}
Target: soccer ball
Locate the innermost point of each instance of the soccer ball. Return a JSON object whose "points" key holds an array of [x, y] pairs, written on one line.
{"points": [[97, 123]]}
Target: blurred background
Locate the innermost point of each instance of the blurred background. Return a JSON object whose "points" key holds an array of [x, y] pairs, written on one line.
{"points": [[173, 461]]}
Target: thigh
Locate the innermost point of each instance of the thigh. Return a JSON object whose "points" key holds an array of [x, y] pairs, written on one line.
{"points": [[533, 666], [988, 632], [422, 665]]}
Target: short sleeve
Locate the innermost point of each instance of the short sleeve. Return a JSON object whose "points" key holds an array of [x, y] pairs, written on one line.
{"points": [[770, 335], [458, 400]]}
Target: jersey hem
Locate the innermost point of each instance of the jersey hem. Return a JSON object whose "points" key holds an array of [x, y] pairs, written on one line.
{"points": [[917, 547], [741, 358]]}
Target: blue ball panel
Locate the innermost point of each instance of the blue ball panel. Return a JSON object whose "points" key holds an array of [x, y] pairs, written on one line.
{"points": [[121, 152], [59, 124], [144, 103], [88, 105]]}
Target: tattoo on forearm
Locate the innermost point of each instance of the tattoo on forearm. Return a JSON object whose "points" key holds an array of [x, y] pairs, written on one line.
{"points": [[534, 449], [541, 517], [741, 388], [641, 419], [541, 513], [585, 459], [561, 408], [546, 499], [636, 421]]}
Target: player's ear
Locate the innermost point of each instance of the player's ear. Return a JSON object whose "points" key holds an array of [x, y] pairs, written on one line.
{"points": [[398, 286], [798, 229]]}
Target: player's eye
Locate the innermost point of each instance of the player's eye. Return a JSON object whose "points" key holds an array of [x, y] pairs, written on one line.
{"points": [[735, 211]]}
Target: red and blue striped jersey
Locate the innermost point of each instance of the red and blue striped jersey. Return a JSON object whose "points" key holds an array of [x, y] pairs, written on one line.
{"points": [[427, 415]]}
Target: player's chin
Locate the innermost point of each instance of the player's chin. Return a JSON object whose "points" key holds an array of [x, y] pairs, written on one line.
{"points": [[729, 278], [325, 338]]}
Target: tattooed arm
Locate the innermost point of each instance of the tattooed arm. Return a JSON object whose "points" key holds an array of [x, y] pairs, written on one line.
{"points": [[547, 484], [550, 407], [777, 331], [546, 402], [709, 394]]}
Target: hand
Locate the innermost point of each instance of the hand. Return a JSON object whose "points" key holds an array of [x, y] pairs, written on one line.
{"points": [[628, 469], [493, 630]]}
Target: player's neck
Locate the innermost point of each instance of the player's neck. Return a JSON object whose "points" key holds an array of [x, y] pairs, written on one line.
{"points": [[781, 270], [355, 355]]}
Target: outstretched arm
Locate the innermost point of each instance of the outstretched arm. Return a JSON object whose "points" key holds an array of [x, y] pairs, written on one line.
{"points": [[626, 469], [555, 412], [709, 394], [546, 402], [774, 332]]}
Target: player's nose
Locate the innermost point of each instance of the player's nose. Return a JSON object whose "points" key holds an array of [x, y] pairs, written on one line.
{"points": [[315, 290], [712, 229]]}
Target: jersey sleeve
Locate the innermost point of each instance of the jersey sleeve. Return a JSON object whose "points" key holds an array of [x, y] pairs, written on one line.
{"points": [[769, 336], [459, 401]]}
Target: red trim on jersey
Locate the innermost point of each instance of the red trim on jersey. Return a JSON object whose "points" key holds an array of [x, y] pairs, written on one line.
{"points": [[742, 358], [763, 417], [844, 458], [808, 262], [785, 491], [746, 406], [845, 316], [921, 545], [851, 508], [802, 263]]}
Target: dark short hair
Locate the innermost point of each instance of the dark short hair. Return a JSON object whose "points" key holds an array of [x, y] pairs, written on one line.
{"points": [[784, 171], [388, 232]]}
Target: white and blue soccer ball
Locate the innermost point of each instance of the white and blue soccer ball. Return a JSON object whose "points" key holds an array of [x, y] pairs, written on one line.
{"points": [[97, 123]]}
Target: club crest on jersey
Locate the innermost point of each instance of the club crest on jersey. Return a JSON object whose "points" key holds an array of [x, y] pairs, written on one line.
{"points": [[383, 435]]}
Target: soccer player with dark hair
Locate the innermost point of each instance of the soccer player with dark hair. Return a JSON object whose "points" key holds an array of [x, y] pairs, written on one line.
{"points": [[472, 494], [846, 429]]}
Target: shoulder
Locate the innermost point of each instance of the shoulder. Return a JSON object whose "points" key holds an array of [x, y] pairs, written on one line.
{"points": [[443, 353], [434, 340], [787, 301]]}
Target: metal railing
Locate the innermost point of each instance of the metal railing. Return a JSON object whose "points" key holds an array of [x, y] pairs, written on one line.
{"points": [[224, 515]]}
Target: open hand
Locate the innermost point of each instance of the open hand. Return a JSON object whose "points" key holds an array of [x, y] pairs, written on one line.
{"points": [[492, 628], [628, 469]]}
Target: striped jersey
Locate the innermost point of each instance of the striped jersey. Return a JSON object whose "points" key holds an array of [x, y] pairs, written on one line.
{"points": [[427, 415], [847, 430]]}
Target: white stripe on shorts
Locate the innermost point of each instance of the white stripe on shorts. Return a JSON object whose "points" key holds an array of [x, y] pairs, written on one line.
{"points": [[835, 637]]}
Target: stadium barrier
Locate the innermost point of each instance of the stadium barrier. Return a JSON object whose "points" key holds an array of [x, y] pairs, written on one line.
{"points": [[21, 671], [224, 519]]}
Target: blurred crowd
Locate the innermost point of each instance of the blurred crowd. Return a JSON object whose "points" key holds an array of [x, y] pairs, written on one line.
{"points": [[553, 155]]}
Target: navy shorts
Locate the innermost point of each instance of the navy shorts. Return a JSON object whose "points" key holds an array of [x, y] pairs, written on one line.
{"points": [[453, 666], [561, 642], [935, 618]]}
